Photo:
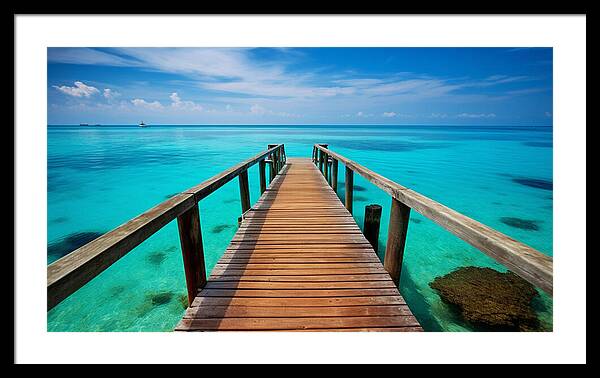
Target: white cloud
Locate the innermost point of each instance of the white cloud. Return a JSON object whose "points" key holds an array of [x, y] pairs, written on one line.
{"points": [[177, 103], [140, 103], [389, 114], [473, 115], [109, 94], [79, 90], [259, 110], [438, 115]]}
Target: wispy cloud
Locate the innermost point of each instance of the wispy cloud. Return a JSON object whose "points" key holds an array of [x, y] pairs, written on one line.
{"points": [[476, 115], [179, 104], [141, 103], [79, 90]]}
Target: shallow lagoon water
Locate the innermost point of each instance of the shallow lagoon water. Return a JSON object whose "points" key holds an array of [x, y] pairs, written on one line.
{"points": [[100, 177]]}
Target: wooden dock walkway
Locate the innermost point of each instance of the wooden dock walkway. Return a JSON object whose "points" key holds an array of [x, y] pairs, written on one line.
{"points": [[299, 262]]}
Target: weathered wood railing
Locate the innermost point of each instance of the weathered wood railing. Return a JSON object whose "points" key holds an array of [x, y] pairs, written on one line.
{"points": [[71, 272], [523, 260]]}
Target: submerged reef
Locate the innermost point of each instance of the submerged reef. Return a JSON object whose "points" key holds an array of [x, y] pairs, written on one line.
{"points": [[489, 299], [539, 144], [358, 188], [534, 183], [71, 242], [523, 224], [220, 228], [156, 258]]}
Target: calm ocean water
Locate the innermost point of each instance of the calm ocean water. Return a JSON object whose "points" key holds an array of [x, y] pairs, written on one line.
{"points": [[100, 177]]}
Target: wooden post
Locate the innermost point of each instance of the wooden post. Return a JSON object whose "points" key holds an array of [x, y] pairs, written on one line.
{"points": [[273, 163], [394, 249], [190, 238], [321, 154], [271, 170], [244, 191], [326, 167], [262, 176], [349, 188], [334, 175], [371, 224]]}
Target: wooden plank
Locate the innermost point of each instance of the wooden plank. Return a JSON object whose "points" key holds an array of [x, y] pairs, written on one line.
{"points": [[300, 302], [300, 285], [527, 262], [207, 312], [296, 323]]}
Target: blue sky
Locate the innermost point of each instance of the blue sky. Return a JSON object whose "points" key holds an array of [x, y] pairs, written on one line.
{"points": [[463, 86]]}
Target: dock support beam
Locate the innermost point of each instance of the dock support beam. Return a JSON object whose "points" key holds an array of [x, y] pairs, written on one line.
{"points": [[349, 188], [371, 225], [394, 249], [244, 191], [262, 177], [191, 248], [334, 175]]}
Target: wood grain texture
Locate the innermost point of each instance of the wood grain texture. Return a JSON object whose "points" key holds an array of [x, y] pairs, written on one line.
{"points": [[529, 263], [299, 262]]}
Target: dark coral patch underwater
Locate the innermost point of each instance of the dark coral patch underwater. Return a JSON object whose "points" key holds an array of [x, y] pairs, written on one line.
{"points": [[156, 258], [523, 224], [490, 299], [220, 228], [534, 183], [70, 243]]}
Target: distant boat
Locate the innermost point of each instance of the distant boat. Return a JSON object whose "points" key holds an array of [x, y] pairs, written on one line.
{"points": [[83, 124], [142, 124]]}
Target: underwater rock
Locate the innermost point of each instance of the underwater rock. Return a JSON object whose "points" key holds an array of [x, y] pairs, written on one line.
{"points": [[538, 144], [156, 258], [490, 299], [160, 298], [71, 242], [220, 228], [183, 299], [523, 224], [534, 183], [415, 220], [358, 188], [116, 290]]}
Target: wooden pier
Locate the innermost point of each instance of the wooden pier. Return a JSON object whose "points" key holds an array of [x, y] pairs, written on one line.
{"points": [[298, 261]]}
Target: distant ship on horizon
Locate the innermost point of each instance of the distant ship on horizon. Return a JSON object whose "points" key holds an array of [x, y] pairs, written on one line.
{"points": [[142, 124], [83, 124]]}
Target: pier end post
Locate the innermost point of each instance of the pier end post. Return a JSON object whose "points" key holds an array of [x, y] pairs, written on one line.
{"points": [[192, 250], [371, 224], [394, 249]]}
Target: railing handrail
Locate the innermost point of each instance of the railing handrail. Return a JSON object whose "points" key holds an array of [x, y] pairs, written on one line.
{"points": [[525, 261], [69, 273]]}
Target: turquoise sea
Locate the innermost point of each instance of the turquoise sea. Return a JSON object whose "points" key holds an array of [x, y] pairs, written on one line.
{"points": [[101, 176]]}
